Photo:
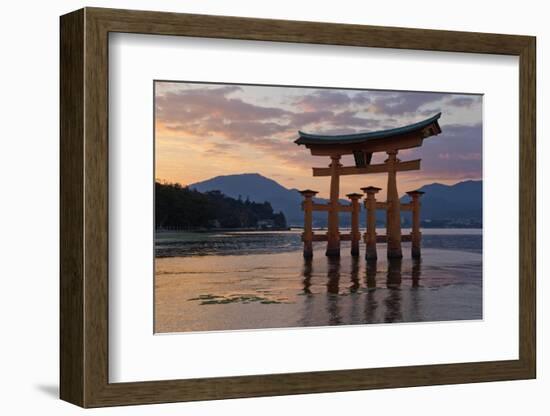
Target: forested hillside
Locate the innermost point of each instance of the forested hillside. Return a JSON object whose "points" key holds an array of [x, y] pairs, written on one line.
{"points": [[178, 207]]}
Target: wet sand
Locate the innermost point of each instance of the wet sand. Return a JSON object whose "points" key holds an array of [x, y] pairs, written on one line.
{"points": [[281, 290]]}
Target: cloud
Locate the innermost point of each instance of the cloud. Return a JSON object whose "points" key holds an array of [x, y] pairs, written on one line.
{"points": [[223, 119], [302, 119], [181, 106], [424, 103], [213, 113], [333, 123], [463, 101], [322, 100], [456, 152], [401, 103]]}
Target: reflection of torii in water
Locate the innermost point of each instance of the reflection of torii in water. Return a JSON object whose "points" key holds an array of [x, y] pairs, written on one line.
{"points": [[362, 146]]}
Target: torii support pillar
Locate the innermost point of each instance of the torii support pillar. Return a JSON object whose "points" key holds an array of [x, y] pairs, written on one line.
{"points": [[370, 234], [355, 233], [393, 211], [307, 236], [416, 235]]}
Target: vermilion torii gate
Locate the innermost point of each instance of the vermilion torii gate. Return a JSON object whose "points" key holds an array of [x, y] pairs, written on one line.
{"points": [[362, 146]]}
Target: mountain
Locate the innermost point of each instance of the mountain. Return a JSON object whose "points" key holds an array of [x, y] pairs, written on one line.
{"points": [[257, 188], [178, 207], [456, 205]]}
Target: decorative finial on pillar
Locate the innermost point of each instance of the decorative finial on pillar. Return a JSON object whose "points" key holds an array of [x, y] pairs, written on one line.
{"points": [[415, 194], [371, 189]]}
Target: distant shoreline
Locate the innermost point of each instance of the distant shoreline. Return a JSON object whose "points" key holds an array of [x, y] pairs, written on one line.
{"points": [[210, 230], [293, 227]]}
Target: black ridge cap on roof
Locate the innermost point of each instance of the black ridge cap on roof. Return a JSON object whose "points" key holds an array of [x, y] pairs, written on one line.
{"points": [[309, 138]]}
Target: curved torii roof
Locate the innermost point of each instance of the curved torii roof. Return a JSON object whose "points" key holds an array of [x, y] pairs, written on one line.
{"points": [[425, 128]]}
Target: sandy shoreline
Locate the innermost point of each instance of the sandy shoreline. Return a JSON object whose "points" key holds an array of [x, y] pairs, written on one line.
{"points": [[206, 293]]}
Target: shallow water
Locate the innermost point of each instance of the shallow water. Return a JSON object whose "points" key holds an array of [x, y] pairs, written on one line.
{"points": [[183, 243], [280, 289]]}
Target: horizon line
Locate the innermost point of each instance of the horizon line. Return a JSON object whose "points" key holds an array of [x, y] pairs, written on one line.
{"points": [[165, 181]]}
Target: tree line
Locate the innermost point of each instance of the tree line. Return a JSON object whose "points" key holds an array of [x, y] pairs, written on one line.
{"points": [[179, 207]]}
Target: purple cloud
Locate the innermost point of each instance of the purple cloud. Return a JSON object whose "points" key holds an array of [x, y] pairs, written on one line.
{"points": [[212, 114], [181, 106], [395, 104], [209, 113], [463, 101], [456, 152], [322, 100]]}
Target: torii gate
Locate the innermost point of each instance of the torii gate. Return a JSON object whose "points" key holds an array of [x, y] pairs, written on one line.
{"points": [[362, 146]]}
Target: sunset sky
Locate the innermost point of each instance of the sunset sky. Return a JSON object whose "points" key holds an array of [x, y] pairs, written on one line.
{"points": [[207, 130]]}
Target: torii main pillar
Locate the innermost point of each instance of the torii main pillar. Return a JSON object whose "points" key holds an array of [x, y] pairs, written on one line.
{"points": [[333, 233], [393, 209]]}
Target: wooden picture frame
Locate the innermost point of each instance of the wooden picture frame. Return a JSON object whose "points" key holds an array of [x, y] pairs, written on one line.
{"points": [[84, 207]]}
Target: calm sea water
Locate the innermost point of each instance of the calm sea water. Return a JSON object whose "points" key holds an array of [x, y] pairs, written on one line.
{"points": [[252, 280], [182, 244]]}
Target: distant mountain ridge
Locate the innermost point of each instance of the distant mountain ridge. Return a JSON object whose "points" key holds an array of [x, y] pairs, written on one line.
{"points": [[458, 205], [257, 188]]}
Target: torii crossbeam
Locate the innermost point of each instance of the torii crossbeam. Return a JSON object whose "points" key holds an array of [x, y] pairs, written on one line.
{"points": [[362, 146]]}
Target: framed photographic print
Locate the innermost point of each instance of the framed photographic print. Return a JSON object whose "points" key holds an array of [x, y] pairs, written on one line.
{"points": [[255, 207]]}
